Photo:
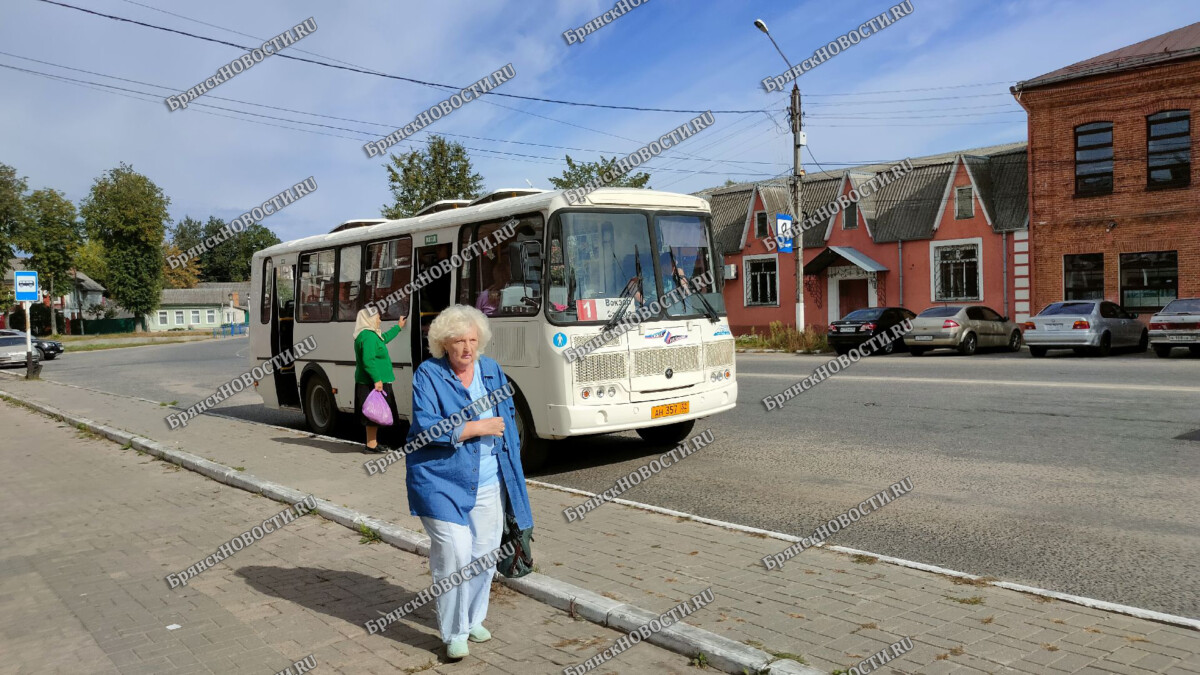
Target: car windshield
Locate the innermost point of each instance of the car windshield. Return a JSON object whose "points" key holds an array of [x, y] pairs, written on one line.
{"points": [[937, 312], [605, 263], [863, 315], [1060, 308], [1185, 306]]}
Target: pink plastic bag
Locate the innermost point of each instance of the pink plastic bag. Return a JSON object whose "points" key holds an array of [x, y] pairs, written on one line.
{"points": [[376, 409]]}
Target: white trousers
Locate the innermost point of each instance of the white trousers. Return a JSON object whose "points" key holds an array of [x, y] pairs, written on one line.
{"points": [[453, 547]]}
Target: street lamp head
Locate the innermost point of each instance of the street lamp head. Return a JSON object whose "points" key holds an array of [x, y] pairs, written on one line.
{"points": [[758, 23]]}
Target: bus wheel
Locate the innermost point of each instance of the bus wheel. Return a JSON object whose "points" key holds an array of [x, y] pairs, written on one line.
{"points": [[320, 408], [667, 434], [534, 450]]}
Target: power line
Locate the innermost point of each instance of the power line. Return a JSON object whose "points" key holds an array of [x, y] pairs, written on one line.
{"points": [[363, 71]]}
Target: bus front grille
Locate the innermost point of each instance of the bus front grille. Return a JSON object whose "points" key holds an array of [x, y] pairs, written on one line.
{"points": [[717, 354], [600, 367], [657, 361]]}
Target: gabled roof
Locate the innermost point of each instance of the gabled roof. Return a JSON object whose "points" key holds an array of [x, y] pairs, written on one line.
{"points": [[206, 294], [1181, 43], [729, 208]]}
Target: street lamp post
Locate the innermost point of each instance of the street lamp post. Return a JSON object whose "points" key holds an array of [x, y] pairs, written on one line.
{"points": [[797, 186]]}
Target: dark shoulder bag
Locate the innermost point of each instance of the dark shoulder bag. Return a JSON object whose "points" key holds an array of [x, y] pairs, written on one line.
{"points": [[520, 562]]}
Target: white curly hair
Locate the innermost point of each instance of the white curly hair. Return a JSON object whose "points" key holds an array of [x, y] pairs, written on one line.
{"points": [[454, 322]]}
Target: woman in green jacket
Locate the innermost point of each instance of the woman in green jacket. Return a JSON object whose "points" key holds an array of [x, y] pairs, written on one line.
{"points": [[373, 368]]}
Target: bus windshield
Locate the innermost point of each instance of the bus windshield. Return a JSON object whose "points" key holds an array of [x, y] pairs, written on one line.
{"points": [[606, 264]]}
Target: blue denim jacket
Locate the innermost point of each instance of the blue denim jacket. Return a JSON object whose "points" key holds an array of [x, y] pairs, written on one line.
{"points": [[443, 476]]}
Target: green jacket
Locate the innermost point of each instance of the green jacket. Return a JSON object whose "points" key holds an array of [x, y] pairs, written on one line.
{"points": [[372, 363]]}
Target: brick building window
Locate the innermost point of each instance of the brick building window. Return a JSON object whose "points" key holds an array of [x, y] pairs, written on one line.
{"points": [[1149, 280], [956, 273], [1083, 276], [964, 203], [1094, 159], [760, 225], [1168, 149], [762, 281], [850, 217]]}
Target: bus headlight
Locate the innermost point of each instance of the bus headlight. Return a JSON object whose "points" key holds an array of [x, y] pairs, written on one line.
{"points": [[612, 391], [599, 392]]}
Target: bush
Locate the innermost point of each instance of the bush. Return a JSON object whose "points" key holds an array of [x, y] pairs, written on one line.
{"points": [[787, 338]]}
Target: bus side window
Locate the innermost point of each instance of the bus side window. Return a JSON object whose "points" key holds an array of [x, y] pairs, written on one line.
{"points": [[349, 286], [508, 275], [389, 268], [268, 281]]}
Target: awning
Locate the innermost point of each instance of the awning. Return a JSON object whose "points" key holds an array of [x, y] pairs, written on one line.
{"points": [[835, 254]]}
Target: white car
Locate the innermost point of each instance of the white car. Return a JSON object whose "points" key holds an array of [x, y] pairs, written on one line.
{"points": [[12, 351], [1177, 325]]}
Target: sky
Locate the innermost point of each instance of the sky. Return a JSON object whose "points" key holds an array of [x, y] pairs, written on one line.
{"points": [[935, 81]]}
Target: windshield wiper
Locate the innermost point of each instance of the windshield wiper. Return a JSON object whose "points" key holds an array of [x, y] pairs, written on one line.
{"points": [[711, 313]]}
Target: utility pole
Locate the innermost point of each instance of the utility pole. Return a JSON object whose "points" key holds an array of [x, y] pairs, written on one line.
{"points": [[798, 205], [798, 142]]}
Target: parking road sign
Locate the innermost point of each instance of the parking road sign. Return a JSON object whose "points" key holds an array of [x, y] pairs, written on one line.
{"points": [[26, 284]]}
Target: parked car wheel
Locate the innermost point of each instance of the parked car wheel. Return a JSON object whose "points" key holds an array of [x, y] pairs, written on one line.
{"points": [[1143, 343], [1164, 351], [887, 349], [320, 408], [1014, 342], [41, 354], [1037, 352], [916, 351], [1105, 347], [968, 345], [668, 434]]}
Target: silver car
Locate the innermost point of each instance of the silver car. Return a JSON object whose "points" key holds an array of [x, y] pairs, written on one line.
{"points": [[1085, 326], [1177, 325], [12, 351], [962, 327]]}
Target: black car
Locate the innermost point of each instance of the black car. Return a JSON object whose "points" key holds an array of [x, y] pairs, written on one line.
{"points": [[48, 349], [863, 324]]}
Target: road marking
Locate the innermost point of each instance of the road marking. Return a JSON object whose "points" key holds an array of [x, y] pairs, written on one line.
{"points": [[960, 381]]}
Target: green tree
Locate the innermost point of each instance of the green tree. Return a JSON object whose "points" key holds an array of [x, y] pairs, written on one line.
{"points": [[51, 236], [579, 174], [127, 213], [229, 260], [12, 211], [89, 259], [420, 178], [184, 276], [187, 233]]}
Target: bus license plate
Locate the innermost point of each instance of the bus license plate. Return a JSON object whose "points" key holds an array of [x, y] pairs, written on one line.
{"points": [[669, 409]]}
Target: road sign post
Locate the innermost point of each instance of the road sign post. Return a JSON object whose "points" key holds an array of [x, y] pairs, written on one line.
{"points": [[25, 283]]}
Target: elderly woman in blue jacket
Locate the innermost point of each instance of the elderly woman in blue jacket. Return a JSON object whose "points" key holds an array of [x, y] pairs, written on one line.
{"points": [[460, 482]]}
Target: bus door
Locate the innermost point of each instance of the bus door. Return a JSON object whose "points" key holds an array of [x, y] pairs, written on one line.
{"points": [[282, 325], [430, 300]]}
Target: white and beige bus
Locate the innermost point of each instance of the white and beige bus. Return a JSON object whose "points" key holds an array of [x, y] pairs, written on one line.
{"points": [[566, 273]]}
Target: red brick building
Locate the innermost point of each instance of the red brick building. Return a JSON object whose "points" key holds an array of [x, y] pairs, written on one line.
{"points": [[1114, 195], [951, 230]]}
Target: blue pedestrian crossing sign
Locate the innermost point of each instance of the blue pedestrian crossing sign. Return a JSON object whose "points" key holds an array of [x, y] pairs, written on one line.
{"points": [[783, 232], [560, 340], [26, 284]]}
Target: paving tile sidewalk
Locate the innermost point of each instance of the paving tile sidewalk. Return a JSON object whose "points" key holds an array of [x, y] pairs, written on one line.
{"points": [[91, 529], [830, 608]]}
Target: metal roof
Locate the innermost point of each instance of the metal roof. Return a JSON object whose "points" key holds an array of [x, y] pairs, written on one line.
{"points": [[848, 253], [206, 294], [1181, 43]]}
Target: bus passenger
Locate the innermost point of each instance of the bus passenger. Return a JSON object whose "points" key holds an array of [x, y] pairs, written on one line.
{"points": [[373, 368], [463, 481]]}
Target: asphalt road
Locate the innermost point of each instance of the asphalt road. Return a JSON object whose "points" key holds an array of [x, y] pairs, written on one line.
{"points": [[1064, 473]]}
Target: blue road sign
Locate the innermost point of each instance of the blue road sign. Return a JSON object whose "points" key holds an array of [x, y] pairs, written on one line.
{"points": [[783, 232], [560, 340], [26, 284]]}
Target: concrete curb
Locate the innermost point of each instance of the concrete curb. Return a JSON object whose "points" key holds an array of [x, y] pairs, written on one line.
{"points": [[682, 638]]}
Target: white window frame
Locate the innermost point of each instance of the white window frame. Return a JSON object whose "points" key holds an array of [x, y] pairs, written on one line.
{"points": [[970, 202], [195, 317], [163, 317], [179, 317], [210, 316], [933, 262], [746, 260]]}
